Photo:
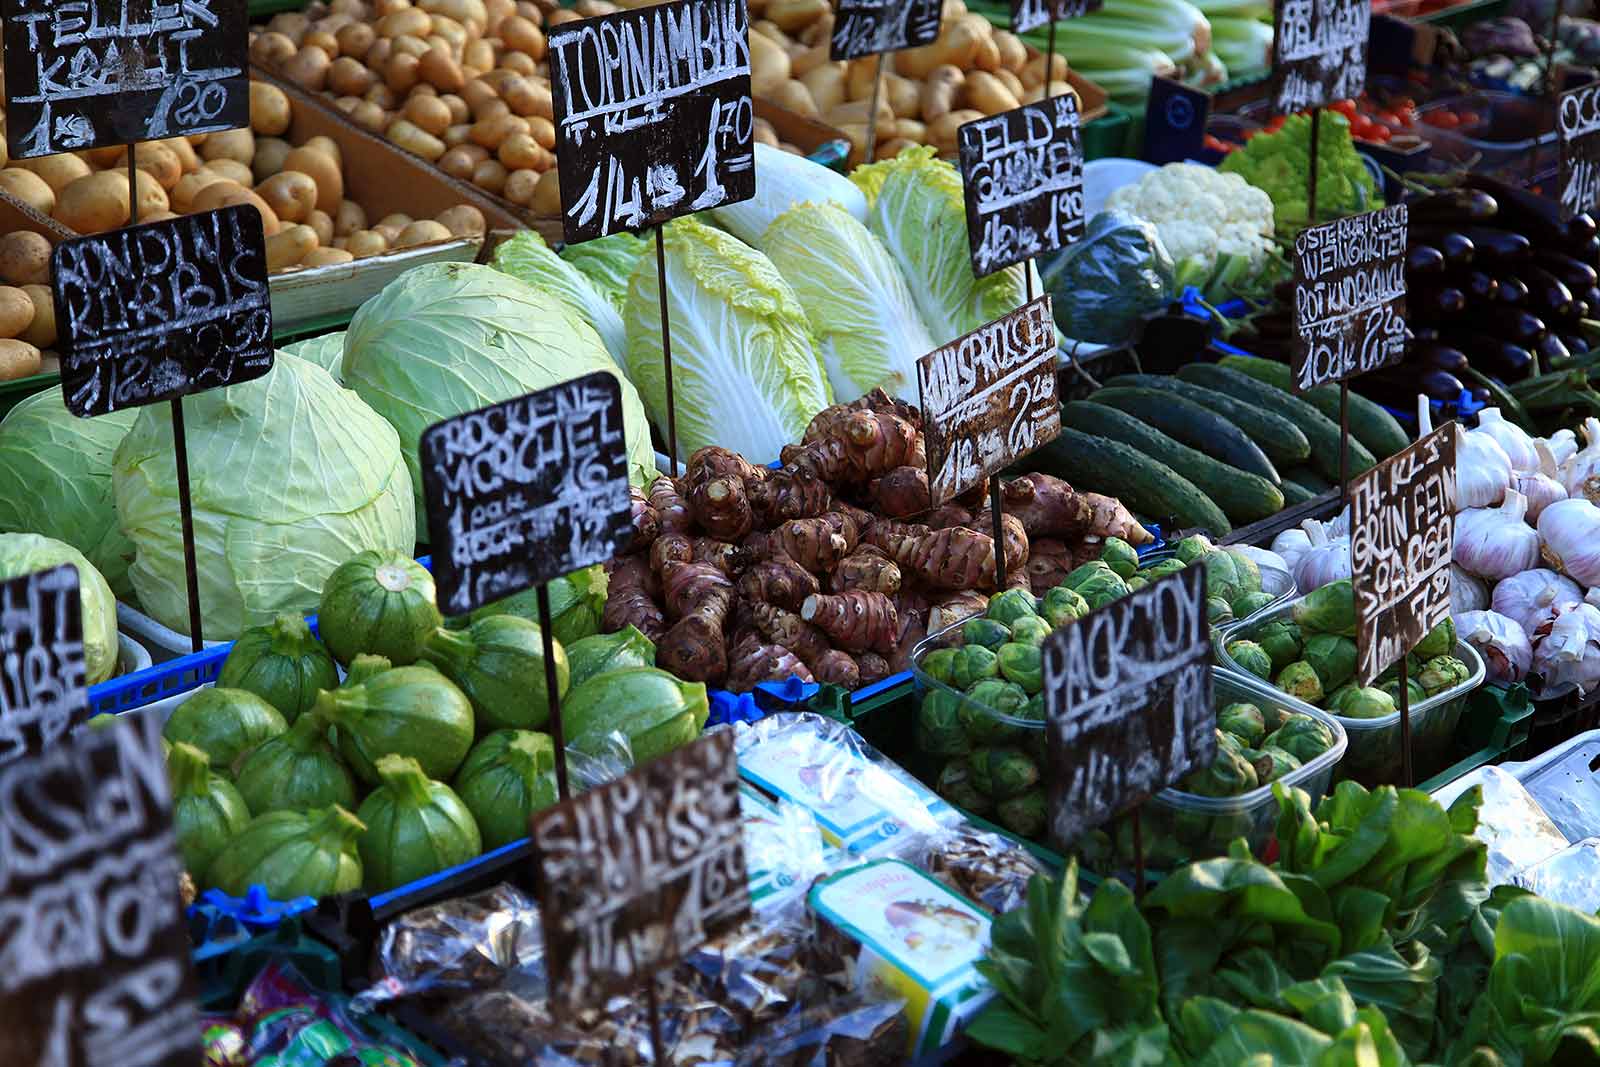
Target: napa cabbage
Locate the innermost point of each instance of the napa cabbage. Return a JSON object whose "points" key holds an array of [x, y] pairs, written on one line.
{"points": [[783, 180], [25, 553], [290, 475], [608, 262], [744, 369], [527, 258]]}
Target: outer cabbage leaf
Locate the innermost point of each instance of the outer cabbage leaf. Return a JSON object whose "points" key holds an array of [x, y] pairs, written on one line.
{"points": [[447, 338], [868, 328], [744, 372], [25, 553], [527, 258], [326, 352], [55, 480], [608, 263], [291, 475], [783, 180], [915, 206]]}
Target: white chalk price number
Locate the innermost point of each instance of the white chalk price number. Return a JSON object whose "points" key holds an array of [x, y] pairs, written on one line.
{"points": [[1349, 296], [1022, 175], [873, 27]]}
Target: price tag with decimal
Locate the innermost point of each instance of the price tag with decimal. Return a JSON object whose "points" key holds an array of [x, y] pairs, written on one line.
{"points": [[872, 27], [1319, 52], [87, 73], [1578, 129], [1022, 172], [989, 398], [653, 115], [1349, 297]]}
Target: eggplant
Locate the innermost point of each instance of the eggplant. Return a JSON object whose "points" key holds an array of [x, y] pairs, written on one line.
{"points": [[1546, 294], [1456, 207], [1477, 285], [1506, 324], [1426, 304], [1553, 355], [1582, 227], [1424, 259], [1531, 214], [1500, 359], [1592, 298], [1422, 333], [1497, 246], [1481, 396], [1576, 344], [1585, 251], [1574, 274], [1398, 386], [1456, 247], [1511, 292], [1438, 356]]}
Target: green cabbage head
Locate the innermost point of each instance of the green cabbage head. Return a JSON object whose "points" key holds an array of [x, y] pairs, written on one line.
{"points": [[55, 480], [326, 352], [745, 374], [528, 258], [448, 338], [291, 475], [25, 553]]}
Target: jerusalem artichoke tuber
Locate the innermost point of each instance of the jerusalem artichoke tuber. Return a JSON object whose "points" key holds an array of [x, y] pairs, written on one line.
{"points": [[788, 629], [714, 461], [671, 547], [955, 608], [812, 543], [784, 495], [874, 668], [855, 621], [671, 511], [1048, 507], [836, 667], [1108, 518], [629, 599], [700, 596], [646, 523], [866, 569], [953, 558], [751, 663], [946, 515], [719, 505], [1048, 563], [866, 444], [825, 422], [901, 493], [780, 582]]}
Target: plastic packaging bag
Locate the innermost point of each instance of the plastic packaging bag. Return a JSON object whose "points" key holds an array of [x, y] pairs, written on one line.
{"points": [[282, 1020], [983, 867], [1102, 283]]}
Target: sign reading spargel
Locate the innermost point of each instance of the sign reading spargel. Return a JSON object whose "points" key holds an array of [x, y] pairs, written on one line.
{"points": [[1349, 296], [1402, 534], [1022, 171], [154, 312], [1319, 52], [653, 115], [92, 930], [1578, 128], [527, 490], [872, 27], [86, 73], [1031, 14], [637, 873], [41, 661], [1127, 698], [989, 398]]}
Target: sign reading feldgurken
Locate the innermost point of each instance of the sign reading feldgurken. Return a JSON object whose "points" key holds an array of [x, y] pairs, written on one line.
{"points": [[1023, 174], [1349, 297], [525, 491], [1402, 533], [1127, 697], [1578, 129], [653, 115], [636, 874], [1319, 52], [989, 398], [154, 312], [1031, 14], [41, 661], [872, 27], [86, 73]]}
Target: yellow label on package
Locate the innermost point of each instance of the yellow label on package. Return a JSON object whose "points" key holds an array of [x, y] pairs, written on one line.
{"points": [[918, 941]]}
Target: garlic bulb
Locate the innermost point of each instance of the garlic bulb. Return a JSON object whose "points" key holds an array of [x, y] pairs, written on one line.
{"points": [[1467, 591], [1566, 649], [1505, 648], [1570, 530], [1563, 445], [1540, 486], [1581, 475], [1483, 470], [1518, 446], [1497, 542], [1529, 597], [1266, 561], [1324, 562], [1290, 545]]}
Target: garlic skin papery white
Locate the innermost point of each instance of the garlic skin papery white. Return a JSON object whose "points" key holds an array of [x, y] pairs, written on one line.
{"points": [[1581, 474], [1467, 591], [1541, 486], [1506, 650], [1563, 445], [1528, 598], [1290, 545], [1497, 542], [1570, 530], [1326, 561], [1511, 438], [1483, 470], [1566, 650]]}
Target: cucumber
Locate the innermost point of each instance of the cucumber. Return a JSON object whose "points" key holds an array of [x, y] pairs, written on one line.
{"points": [[1308, 479], [1370, 424], [1146, 486], [1321, 431], [1279, 438], [1184, 420], [1242, 496], [1294, 493]]}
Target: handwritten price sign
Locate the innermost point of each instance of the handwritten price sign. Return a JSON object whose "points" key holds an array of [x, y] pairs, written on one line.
{"points": [[1349, 297], [1578, 128], [1319, 52]]}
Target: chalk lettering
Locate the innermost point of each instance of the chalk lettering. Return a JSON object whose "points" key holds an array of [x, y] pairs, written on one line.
{"points": [[1022, 171], [1319, 52], [1349, 297], [1031, 14], [872, 27], [1578, 130]]}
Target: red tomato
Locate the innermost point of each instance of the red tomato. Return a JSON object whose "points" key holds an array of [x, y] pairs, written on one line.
{"points": [[1381, 134], [1444, 120], [1388, 118], [1346, 108], [1468, 118]]}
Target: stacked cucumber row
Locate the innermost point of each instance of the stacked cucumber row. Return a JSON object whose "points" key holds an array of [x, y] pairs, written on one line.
{"points": [[1216, 445]]}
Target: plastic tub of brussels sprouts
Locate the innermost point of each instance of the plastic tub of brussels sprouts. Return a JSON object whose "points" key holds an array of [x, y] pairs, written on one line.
{"points": [[1374, 756]]}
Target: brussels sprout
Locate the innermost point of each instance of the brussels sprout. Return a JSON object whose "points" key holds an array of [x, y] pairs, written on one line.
{"points": [[1335, 700], [1222, 575], [1243, 721], [940, 664], [1275, 716], [1251, 657], [1367, 702], [1136, 583], [1120, 557], [1003, 772], [1162, 569], [1281, 639], [1299, 679], [1036, 739], [1013, 604], [1024, 814], [985, 632], [1229, 741], [1097, 583], [1247, 604], [973, 664], [1439, 641], [955, 785], [1193, 547], [1218, 610], [1030, 630], [1302, 737], [1329, 609], [1278, 764], [939, 727], [1229, 775], [1332, 657], [1063, 604], [1247, 570], [1414, 691], [1441, 673], [1023, 665], [988, 706]]}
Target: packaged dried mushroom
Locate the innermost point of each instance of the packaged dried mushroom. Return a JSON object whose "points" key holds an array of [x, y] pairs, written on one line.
{"points": [[981, 866]]}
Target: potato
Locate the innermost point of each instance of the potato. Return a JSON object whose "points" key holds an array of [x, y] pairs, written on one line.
{"points": [[1012, 83], [94, 203], [349, 218], [269, 109], [16, 311], [854, 112], [364, 243], [415, 140], [292, 24], [791, 16], [988, 94], [273, 49], [308, 68], [957, 45], [463, 220], [940, 91], [987, 56], [462, 11], [324, 40], [156, 160], [477, 57], [491, 133], [355, 39], [521, 152], [227, 194], [58, 171], [233, 171], [521, 35], [326, 257], [562, 16], [423, 232], [796, 97], [462, 160], [859, 75], [189, 186], [369, 116], [32, 189], [291, 194], [320, 222], [188, 158], [459, 111], [413, 22], [239, 145], [1013, 53], [289, 246], [106, 157], [910, 130], [531, 98], [440, 71], [25, 258], [457, 135], [18, 359], [769, 65], [522, 187], [327, 146], [942, 130], [826, 85], [765, 134], [543, 131], [349, 77], [402, 73], [1039, 92], [491, 176], [41, 332], [1033, 73], [323, 166], [903, 94], [377, 56], [428, 113], [270, 154]]}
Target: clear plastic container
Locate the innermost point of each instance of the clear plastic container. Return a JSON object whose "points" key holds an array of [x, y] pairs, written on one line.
{"points": [[1375, 755], [1502, 131]]}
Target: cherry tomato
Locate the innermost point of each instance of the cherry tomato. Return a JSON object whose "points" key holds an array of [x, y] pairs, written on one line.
{"points": [[1468, 118], [1388, 118], [1216, 144], [1347, 108], [1444, 120], [1381, 134]]}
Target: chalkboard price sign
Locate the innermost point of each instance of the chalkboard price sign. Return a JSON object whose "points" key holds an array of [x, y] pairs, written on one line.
{"points": [[1022, 171], [1578, 129], [1319, 52], [1402, 533], [653, 115], [1349, 297], [525, 491], [41, 649], [92, 931], [989, 398], [154, 312], [1031, 14], [87, 73], [1127, 697], [872, 27], [635, 874]]}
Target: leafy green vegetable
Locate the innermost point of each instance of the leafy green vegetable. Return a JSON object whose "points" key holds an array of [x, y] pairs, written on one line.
{"points": [[1062, 604], [1120, 557], [1022, 664], [1328, 609], [1279, 163], [1299, 679], [1103, 282], [326, 351], [1281, 640], [1332, 657], [1011, 605], [24, 553], [1251, 657], [608, 263], [1243, 721], [784, 180], [1097, 583], [1441, 673], [1302, 737], [529, 259]]}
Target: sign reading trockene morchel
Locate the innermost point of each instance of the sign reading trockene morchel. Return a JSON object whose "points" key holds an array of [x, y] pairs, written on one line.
{"points": [[1319, 52], [1349, 297], [155, 312], [872, 27], [525, 491], [1578, 129], [1022, 171], [653, 115], [86, 73], [42, 670]]}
